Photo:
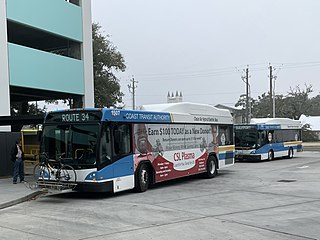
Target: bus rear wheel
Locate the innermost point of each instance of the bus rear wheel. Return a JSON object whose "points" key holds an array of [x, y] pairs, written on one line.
{"points": [[290, 153], [270, 155], [142, 178], [212, 169]]}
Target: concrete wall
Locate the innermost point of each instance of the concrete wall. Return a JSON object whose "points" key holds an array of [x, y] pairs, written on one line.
{"points": [[42, 70], [7, 140], [54, 16]]}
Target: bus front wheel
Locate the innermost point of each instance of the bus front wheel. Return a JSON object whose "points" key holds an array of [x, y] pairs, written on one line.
{"points": [[270, 155], [142, 178], [290, 153], [212, 169]]}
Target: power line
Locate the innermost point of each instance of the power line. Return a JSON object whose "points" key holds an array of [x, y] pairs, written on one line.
{"points": [[222, 71]]}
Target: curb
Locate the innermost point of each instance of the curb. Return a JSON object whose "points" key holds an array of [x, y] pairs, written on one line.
{"points": [[311, 148], [22, 199]]}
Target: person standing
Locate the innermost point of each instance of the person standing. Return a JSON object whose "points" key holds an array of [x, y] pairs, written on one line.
{"points": [[17, 158]]}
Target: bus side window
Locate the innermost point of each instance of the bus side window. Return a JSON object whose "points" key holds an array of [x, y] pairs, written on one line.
{"points": [[264, 138], [105, 151], [225, 135], [122, 139], [270, 137]]}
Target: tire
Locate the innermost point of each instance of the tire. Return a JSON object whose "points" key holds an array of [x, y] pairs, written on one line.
{"points": [[270, 155], [66, 174], [212, 169], [41, 173], [142, 178], [290, 153]]}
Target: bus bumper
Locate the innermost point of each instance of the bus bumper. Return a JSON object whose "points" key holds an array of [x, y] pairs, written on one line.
{"points": [[95, 186], [248, 157]]}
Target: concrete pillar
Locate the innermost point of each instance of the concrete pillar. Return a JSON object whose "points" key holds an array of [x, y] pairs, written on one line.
{"points": [[4, 66], [88, 99]]}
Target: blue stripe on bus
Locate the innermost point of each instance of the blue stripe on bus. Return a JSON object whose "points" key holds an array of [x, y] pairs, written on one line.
{"points": [[276, 147], [121, 168], [135, 116]]}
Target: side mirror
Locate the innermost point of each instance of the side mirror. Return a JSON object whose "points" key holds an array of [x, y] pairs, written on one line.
{"points": [[39, 136]]}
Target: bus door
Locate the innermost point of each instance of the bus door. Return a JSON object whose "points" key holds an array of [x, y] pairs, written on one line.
{"points": [[116, 153]]}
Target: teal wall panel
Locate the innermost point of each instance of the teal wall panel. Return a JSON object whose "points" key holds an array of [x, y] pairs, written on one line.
{"points": [[42, 70], [55, 16]]}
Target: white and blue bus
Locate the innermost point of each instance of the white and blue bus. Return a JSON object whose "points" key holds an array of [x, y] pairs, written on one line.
{"points": [[114, 150], [267, 138]]}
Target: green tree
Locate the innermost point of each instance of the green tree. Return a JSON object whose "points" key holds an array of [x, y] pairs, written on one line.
{"points": [[262, 106], [106, 61], [292, 105], [314, 108], [297, 102], [308, 135], [24, 109], [242, 102]]}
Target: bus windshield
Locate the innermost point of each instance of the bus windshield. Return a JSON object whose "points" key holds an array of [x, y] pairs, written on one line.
{"points": [[74, 144], [246, 138]]}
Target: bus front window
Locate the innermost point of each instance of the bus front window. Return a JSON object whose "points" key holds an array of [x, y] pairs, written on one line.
{"points": [[74, 144], [246, 138]]}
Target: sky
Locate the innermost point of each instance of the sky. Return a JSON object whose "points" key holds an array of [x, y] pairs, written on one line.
{"points": [[201, 47]]}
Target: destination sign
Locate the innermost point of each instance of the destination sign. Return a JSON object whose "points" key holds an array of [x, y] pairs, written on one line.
{"points": [[136, 116], [245, 127], [268, 126], [73, 117]]}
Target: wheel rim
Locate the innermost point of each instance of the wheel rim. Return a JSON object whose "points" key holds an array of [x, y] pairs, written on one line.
{"points": [[144, 177], [270, 156], [212, 167]]}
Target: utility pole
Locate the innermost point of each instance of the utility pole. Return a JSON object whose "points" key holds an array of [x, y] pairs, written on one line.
{"points": [[248, 96], [132, 88], [271, 91], [248, 103], [274, 97]]}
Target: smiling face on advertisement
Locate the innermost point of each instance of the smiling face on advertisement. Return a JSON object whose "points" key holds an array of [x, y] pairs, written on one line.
{"points": [[141, 138]]}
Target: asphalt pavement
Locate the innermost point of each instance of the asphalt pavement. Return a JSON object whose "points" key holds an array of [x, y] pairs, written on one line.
{"points": [[12, 194], [265, 200]]}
